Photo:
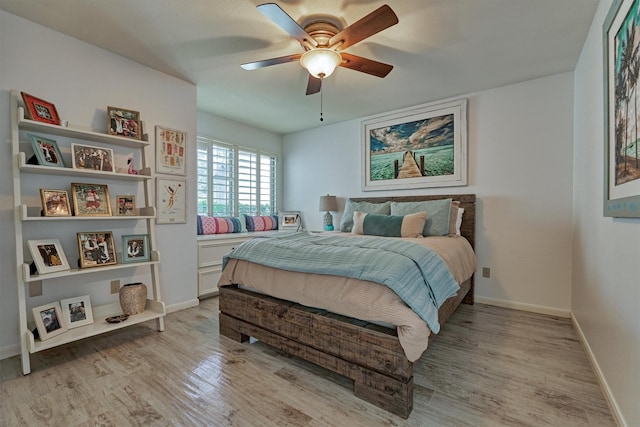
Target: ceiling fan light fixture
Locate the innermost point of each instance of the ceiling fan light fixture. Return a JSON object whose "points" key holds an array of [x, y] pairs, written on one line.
{"points": [[320, 62]]}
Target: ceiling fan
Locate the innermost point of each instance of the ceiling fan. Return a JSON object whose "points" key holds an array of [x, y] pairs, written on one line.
{"points": [[323, 41]]}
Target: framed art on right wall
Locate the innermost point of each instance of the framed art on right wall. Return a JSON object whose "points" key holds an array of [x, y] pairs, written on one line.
{"points": [[621, 124]]}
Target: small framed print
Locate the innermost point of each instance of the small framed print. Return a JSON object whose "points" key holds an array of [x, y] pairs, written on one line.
{"points": [[92, 158], [90, 199], [289, 220], [96, 249], [171, 200], [55, 202], [135, 248], [48, 255], [170, 151], [40, 110], [126, 205], [46, 151], [124, 122], [49, 320], [77, 311]]}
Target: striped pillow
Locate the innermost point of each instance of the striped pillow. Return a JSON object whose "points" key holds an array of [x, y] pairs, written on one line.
{"points": [[220, 225], [261, 223]]}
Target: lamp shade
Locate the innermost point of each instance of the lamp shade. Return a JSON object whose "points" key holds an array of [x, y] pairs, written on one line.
{"points": [[328, 203], [320, 62]]}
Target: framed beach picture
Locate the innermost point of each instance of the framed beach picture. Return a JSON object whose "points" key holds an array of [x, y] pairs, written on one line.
{"points": [[46, 151], [40, 110], [48, 255], [77, 311], [92, 158], [289, 220], [135, 248], [419, 147], [90, 199], [171, 198], [49, 320], [170, 151], [55, 202], [622, 110], [126, 205], [96, 249], [123, 122]]}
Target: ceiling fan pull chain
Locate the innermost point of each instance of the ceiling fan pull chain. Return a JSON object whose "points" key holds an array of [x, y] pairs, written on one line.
{"points": [[321, 119]]}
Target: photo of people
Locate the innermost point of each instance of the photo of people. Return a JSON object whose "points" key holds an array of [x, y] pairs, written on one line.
{"points": [[77, 312], [126, 205], [46, 151], [96, 249], [50, 319], [124, 122], [91, 199], [92, 158], [135, 248], [49, 255], [55, 203]]}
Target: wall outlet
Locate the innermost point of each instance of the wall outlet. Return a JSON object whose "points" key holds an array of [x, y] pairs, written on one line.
{"points": [[115, 286], [486, 272]]}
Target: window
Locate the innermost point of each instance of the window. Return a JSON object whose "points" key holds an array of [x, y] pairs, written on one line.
{"points": [[235, 180]]}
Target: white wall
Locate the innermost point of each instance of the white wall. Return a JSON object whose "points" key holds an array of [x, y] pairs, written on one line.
{"points": [[520, 168], [82, 80], [606, 278]]}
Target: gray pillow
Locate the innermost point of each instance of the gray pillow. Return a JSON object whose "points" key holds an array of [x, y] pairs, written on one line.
{"points": [[438, 213], [346, 223]]}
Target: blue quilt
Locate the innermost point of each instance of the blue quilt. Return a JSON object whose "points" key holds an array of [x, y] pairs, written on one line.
{"points": [[414, 272]]}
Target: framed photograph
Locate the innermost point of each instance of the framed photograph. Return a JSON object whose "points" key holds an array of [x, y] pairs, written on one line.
{"points": [[171, 198], [170, 151], [419, 147], [77, 311], [48, 255], [90, 199], [126, 205], [49, 320], [135, 248], [40, 110], [96, 249], [55, 202], [622, 154], [124, 122], [46, 151], [289, 220], [92, 158]]}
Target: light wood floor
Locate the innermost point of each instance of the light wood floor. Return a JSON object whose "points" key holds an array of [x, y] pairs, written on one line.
{"points": [[490, 367]]}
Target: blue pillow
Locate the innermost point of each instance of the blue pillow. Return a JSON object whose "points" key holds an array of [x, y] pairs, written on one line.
{"points": [[346, 223], [438, 213], [389, 225]]}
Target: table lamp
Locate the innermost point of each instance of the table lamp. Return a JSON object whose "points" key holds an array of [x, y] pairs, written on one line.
{"points": [[328, 203]]}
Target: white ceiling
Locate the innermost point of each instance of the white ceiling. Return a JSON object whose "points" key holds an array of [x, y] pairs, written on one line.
{"points": [[439, 49]]}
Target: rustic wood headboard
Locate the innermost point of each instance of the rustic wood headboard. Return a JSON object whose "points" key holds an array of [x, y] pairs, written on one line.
{"points": [[467, 201]]}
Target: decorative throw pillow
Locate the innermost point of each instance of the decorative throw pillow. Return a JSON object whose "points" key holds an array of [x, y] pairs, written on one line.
{"points": [[389, 225], [220, 225], [261, 223], [346, 223], [438, 212], [453, 217]]}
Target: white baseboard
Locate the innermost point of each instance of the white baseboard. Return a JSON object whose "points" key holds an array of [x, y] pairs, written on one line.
{"points": [[9, 351], [606, 391], [524, 307], [182, 305]]}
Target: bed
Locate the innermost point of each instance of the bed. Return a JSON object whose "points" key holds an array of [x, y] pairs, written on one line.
{"points": [[281, 309]]}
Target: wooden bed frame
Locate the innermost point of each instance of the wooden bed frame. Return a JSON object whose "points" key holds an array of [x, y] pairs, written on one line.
{"points": [[367, 353]]}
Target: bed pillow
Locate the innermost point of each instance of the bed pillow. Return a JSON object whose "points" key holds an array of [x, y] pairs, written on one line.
{"points": [[459, 221], [346, 223], [261, 222], [220, 225], [438, 213], [389, 225], [453, 217]]}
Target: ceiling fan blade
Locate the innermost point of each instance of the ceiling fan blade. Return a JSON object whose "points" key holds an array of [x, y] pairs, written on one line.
{"points": [[284, 21], [273, 61], [373, 23], [314, 85], [365, 65]]}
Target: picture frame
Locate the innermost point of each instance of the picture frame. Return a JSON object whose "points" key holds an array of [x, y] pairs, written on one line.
{"points": [[171, 200], [77, 311], [289, 220], [123, 122], [90, 199], [49, 320], [135, 248], [40, 110], [46, 151], [48, 256], [96, 249], [92, 158], [418, 147], [171, 151], [126, 205], [55, 202], [621, 195]]}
